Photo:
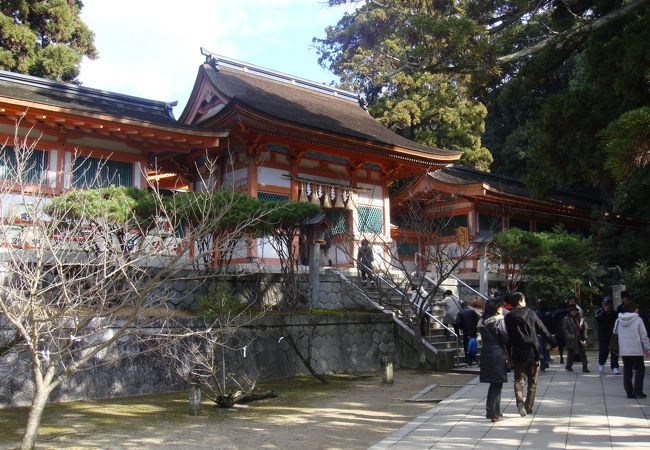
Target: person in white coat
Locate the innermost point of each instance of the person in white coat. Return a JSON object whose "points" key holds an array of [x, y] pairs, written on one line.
{"points": [[452, 307], [633, 345]]}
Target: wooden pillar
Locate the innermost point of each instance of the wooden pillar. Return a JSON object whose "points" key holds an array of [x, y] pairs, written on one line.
{"points": [[295, 156], [60, 163]]}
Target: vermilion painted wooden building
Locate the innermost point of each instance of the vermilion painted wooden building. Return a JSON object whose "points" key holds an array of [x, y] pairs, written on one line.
{"points": [[291, 138], [482, 204]]}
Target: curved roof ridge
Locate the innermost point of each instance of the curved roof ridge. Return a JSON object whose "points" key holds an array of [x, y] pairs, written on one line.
{"points": [[215, 61]]}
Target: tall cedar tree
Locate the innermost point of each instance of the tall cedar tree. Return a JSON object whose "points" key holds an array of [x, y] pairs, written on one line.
{"points": [[44, 38]]}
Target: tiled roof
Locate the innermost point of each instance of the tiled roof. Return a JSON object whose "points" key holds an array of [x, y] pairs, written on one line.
{"points": [[460, 175], [306, 103], [83, 99]]}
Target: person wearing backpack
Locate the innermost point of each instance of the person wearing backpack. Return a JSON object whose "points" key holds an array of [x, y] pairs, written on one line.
{"points": [[467, 320], [523, 326]]}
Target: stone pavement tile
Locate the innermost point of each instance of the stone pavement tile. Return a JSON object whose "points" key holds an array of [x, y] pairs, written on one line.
{"points": [[572, 410]]}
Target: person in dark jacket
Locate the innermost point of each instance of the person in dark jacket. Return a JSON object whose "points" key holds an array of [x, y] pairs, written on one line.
{"points": [[494, 356], [547, 319], [365, 259], [558, 316], [467, 321], [605, 321], [575, 337], [523, 326]]}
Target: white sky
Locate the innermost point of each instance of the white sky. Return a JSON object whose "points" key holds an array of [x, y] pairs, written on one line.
{"points": [[151, 48]]}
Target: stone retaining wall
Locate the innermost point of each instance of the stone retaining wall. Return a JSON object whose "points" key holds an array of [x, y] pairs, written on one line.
{"points": [[354, 342]]}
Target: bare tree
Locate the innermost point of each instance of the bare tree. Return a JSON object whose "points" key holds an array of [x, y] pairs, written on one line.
{"points": [[284, 237], [216, 357], [82, 273]]}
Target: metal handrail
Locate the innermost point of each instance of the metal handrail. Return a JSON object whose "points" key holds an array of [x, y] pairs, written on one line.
{"points": [[468, 286], [458, 280], [412, 304], [427, 313], [386, 282]]}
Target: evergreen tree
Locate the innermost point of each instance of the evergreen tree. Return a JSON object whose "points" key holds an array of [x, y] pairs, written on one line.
{"points": [[45, 38]]}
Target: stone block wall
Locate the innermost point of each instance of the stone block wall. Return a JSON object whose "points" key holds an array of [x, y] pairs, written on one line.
{"points": [[354, 342], [347, 343]]}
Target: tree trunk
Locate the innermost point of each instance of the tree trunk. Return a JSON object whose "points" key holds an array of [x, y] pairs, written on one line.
{"points": [[306, 361], [34, 419], [419, 346]]}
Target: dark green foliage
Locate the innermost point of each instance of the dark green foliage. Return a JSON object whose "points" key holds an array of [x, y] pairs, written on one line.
{"points": [[229, 208], [428, 69], [565, 262], [549, 264], [637, 280], [289, 214], [113, 204], [44, 38]]}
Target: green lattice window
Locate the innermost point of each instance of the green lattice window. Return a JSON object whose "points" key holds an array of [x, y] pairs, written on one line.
{"points": [[406, 249], [269, 197], [95, 173], [371, 220], [35, 166], [337, 218]]}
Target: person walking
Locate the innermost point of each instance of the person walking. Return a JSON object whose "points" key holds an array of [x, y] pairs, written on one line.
{"points": [[365, 258], [633, 345], [523, 326], [605, 320], [558, 316], [452, 307], [575, 339], [419, 300], [547, 319], [494, 356], [467, 321]]}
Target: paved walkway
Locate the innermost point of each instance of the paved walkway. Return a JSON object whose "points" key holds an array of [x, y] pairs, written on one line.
{"points": [[572, 411]]}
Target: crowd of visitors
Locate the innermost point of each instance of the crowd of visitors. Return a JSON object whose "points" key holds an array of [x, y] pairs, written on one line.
{"points": [[519, 339], [515, 337]]}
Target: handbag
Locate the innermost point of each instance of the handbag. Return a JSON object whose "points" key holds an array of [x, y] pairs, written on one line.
{"points": [[613, 341]]}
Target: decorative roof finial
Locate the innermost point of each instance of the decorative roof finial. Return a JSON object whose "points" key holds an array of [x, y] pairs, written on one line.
{"points": [[210, 59]]}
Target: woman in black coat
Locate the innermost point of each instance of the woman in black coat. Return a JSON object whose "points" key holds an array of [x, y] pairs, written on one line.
{"points": [[494, 358]]}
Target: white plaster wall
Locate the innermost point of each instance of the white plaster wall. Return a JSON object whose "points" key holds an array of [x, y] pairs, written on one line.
{"points": [[52, 166], [103, 144], [137, 174], [273, 177], [67, 170], [371, 195], [235, 178], [9, 202], [265, 249], [241, 249]]}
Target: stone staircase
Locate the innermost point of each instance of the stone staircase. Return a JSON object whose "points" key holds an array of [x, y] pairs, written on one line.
{"points": [[441, 348]]}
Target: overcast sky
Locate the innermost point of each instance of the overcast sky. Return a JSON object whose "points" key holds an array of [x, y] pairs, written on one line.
{"points": [[151, 48]]}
